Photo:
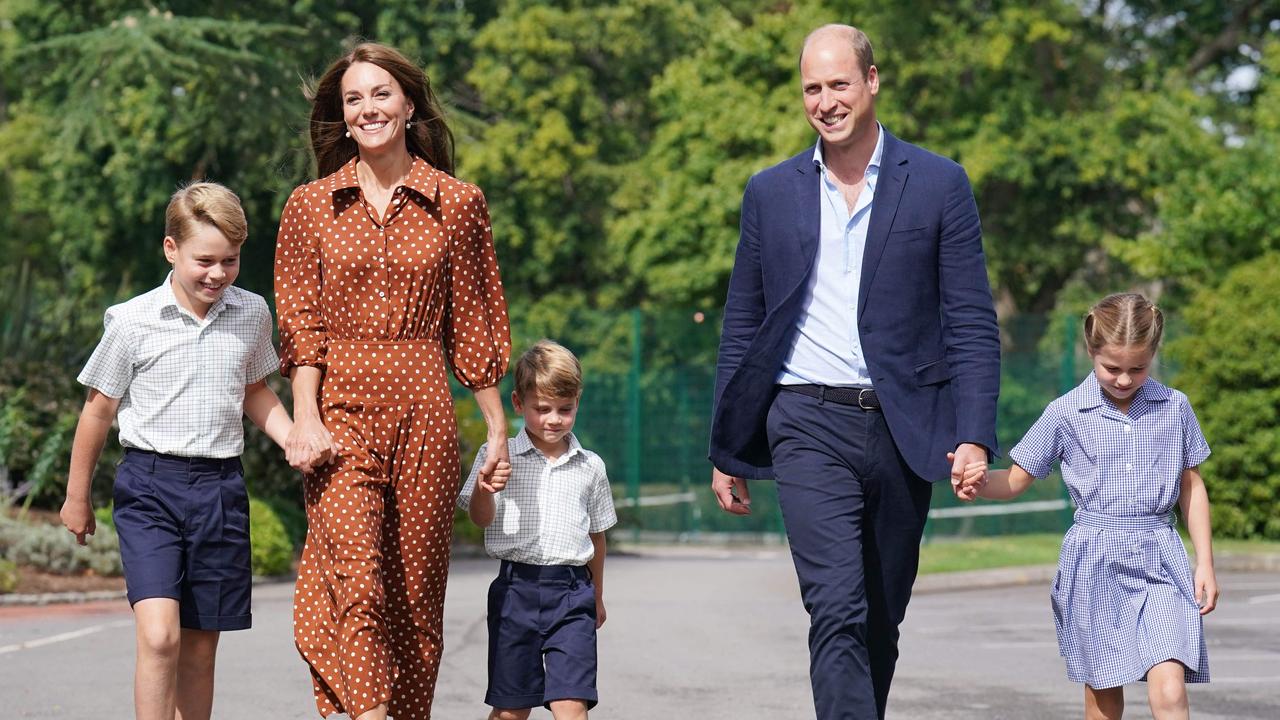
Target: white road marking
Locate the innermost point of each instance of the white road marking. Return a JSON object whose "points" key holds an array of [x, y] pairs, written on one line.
{"points": [[62, 637]]}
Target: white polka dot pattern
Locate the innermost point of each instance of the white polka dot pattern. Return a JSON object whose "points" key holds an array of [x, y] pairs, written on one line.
{"points": [[382, 305]]}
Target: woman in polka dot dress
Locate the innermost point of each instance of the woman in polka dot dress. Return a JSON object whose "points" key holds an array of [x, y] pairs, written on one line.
{"points": [[385, 274]]}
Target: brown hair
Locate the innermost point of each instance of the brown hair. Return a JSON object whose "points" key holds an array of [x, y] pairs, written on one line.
{"points": [[429, 138], [857, 39], [550, 370], [1123, 320], [208, 203]]}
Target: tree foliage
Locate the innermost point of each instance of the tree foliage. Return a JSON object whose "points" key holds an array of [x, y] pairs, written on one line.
{"points": [[1228, 371], [1109, 143]]}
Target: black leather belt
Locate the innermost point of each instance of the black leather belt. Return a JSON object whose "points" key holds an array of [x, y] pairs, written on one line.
{"points": [[864, 398]]}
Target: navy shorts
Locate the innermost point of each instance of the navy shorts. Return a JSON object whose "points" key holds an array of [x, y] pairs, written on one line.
{"points": [[542, 636], [183, 525]]}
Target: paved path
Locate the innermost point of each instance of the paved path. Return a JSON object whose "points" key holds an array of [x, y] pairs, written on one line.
{"points": [[705, 635]]}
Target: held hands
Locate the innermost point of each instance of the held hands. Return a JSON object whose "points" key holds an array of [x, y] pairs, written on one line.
{"points": [[77, 517], [1206, 588], [497, 478], [309, 445], [968, 471], [496, 470], [731, 492]]}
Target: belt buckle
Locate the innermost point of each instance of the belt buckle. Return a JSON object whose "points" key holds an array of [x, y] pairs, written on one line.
{"points": [[861, 394]]}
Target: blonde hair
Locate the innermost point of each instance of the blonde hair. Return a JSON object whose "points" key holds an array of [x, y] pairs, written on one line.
{"points": [[1123, 320], [208, 203], [548, 369]]}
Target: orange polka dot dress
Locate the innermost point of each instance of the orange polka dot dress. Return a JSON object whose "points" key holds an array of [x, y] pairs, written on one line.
{"points": [[382, 306]]}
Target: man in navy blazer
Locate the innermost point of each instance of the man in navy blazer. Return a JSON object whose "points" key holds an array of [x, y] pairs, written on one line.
{"points": [[859, 349]]}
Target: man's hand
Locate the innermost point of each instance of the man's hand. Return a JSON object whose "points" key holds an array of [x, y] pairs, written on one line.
{"points": [[967, 481], [973, 480], [731, 492]]}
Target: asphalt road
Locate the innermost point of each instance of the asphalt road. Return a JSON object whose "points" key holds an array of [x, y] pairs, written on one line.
{"points": [[691, 634]]}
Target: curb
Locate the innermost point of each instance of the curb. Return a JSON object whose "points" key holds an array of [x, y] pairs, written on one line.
{"points": [[87, 596], [928, 583]]}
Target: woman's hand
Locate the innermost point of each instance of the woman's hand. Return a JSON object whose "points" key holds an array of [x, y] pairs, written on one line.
{"points": [[309, 444], [497, 460]]}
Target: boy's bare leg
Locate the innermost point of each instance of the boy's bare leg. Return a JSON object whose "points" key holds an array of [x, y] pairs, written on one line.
{"points": [[505, 714], [569, 710], [159, 643], [195, 674], [1105, 704], [1167, 691]]}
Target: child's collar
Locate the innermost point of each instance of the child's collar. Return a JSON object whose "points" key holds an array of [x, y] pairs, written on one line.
{"points": [[1088, 395]]}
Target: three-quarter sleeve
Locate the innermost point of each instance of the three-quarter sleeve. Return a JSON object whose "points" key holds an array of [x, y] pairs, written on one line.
{"points": [[477, 331], [298, 277]]}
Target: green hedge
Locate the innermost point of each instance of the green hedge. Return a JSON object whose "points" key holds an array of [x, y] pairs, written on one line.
{"points": [[1229, 370], [272, 551]]}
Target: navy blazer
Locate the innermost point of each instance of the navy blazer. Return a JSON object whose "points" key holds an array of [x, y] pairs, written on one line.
{"points": [[925, 314]]}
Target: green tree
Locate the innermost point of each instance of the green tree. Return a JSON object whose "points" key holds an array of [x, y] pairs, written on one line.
{"points": [[1228, 371]]}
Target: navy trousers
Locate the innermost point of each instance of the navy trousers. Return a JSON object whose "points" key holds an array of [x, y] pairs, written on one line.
{"points": [[854, 514]]}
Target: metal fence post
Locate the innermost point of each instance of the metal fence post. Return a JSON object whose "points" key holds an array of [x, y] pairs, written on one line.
{"points": [[635, 411], [1066, 381]]}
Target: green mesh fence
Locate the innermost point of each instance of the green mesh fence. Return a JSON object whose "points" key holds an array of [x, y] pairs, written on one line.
{"points": [[649, 378]]}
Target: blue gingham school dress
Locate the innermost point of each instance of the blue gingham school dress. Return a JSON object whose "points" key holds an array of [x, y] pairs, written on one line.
{"points": [[1124, 598]]}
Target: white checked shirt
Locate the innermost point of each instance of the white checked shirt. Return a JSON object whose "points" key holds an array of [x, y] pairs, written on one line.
{"points": [[549, 507], [180, 380]]}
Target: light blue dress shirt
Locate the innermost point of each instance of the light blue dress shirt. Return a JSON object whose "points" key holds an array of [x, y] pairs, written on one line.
{"points": [[827, 349]]}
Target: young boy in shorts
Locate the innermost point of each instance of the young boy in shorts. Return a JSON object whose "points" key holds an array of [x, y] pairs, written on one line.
{"points": [[546, 523], [178, 367]]}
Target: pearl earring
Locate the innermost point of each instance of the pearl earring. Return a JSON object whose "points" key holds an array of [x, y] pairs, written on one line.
{"points": [[408, 123], [347, 133]]}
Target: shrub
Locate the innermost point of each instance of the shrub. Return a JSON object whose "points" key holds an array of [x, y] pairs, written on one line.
{"points": [[1228, 370], [272, 551], [8, 576], [53, 549]]}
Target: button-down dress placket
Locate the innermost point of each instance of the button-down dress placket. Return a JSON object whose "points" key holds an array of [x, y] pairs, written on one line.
{"points": [[381, 305]]}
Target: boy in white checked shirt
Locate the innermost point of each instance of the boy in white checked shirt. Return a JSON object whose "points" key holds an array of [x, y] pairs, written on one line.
{"points": [[546, 523], [178, 366]]}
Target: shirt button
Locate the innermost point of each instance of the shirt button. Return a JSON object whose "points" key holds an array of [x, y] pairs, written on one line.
{"points": [[1129, 467], [1128, 428]]}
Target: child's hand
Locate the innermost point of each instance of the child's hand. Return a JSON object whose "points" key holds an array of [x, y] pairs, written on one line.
{"points": [[497, 479], [601, 615], [973, 478], [77, 517], [1206, 588]]}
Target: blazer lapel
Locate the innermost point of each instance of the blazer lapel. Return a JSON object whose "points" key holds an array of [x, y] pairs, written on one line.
{"points": [[808, 210], [893, 178]]}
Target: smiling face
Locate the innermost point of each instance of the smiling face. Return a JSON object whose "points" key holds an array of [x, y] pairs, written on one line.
{"points": [[204, 265], [547, 420], [1121, 370], [839, 100], [374, 108]]}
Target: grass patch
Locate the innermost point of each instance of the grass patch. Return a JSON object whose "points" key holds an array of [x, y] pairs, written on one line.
{"points": [[944, 555], [990, 552]]}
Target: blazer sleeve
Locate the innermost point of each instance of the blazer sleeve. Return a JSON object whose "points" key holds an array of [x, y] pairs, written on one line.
{"points": [[970, 331], [744, 310]]}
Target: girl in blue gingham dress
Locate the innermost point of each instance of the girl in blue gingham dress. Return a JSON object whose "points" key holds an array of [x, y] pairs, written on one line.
{"points": [[1125, 601]]}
